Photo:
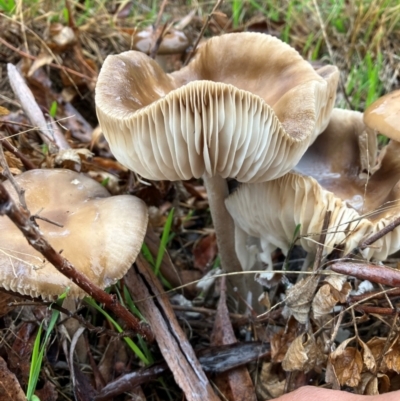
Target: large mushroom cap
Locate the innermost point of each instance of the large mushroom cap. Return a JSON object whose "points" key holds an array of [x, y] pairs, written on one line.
{"points": [[384, 115], [247, 106], [101, 235], [334, 180]]}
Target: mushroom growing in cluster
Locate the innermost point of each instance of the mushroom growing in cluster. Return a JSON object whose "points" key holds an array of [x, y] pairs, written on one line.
{"points": [[247, 106], [100, 235], [330, 176]]}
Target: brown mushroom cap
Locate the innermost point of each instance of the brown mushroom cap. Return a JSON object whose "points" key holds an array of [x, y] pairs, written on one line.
{"points": [[101, 235], [384, 115], [247, 106], [361, 204]]}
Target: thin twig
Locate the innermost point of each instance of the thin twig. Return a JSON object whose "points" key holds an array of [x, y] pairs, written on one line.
{"points": [[321, 243], [203, 28], [21, 218], [385, 230]]}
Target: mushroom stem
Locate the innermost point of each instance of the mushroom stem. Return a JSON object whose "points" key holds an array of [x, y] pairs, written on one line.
{"points": [[217, 191]]}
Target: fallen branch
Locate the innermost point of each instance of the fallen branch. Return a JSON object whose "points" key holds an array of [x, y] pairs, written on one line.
{"points": [[21, 218], [377, 274], [32, 110], [154, 304]]}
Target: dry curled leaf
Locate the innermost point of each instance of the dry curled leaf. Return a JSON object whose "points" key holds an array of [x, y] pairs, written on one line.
{"points": [[371, 384], [368, 358], [390, 360], [345, 365], [335, 290], [269, 384], [281, 341], [302, 354], [299, 297]]}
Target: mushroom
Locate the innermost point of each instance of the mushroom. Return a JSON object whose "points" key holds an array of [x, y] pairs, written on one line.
{"points": [[247, 106], [384, 115], [173, 42], [100, 235], [360, 204]]}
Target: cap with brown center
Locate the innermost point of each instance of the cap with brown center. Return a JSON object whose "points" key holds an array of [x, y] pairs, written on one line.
{"points": [[384, 115], [100, 235], [247, 106], [361, 204]]}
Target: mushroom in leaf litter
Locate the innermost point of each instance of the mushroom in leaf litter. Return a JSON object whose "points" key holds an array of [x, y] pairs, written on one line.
{"points": [[361, 204], [100, 235], [247, 106]]}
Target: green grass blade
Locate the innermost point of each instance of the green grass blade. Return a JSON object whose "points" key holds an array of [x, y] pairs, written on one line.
{"points": [[164, 241], [38, 351], [130, 343]]}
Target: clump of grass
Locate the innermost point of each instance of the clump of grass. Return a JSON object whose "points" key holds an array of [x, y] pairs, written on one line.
{"points": [[39, 349]]}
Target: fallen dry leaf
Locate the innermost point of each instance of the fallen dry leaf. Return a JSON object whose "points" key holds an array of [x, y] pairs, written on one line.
{"points": [[368, 358], [299, 297], [346, 364], [10, 389], [204, 252], [281, 340], [371, 384], [269, 384], [391, 358], [302, 354], [335, 290]]}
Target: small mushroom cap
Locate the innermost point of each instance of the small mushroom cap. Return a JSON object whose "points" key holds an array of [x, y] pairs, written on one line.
{"points": [[361, 204], [247, 106], [384, 115], [101, 235], [173, 41]]}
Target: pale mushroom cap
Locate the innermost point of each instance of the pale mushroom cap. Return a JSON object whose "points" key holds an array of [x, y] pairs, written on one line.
{"points": [[248, 114], [384, 115], [335, 160], [361, 204], [173, 41], [101, 235]]}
